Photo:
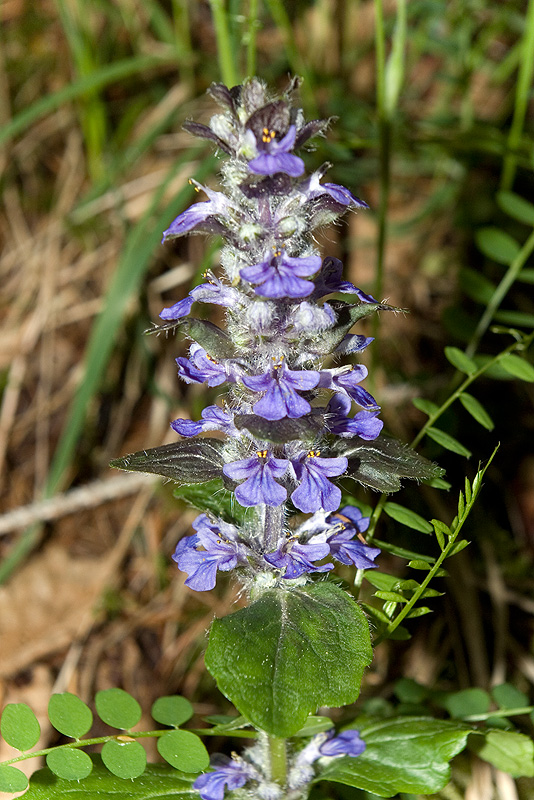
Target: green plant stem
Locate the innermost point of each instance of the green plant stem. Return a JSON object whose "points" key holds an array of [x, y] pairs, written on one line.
{"points": [[500, 293], [524, 82], [121, 737], [226, 54], [252, 24], [377, 512], [447, 550], [278, 12], [278, 759]]}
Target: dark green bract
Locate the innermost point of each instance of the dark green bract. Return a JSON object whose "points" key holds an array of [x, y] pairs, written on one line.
{"points": [[290, 652]]}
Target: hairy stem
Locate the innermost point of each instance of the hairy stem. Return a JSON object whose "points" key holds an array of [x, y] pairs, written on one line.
{"points": [[278, 759]]}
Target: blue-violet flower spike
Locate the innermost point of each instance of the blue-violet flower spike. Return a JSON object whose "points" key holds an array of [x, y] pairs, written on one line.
{"points": [[231, 775], [213, 419], [346, 743]]}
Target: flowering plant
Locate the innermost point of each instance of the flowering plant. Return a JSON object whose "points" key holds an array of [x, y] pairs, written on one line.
{"points": [[270, 486]]}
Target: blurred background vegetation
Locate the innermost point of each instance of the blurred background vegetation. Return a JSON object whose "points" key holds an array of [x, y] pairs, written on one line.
{"points": [[434, 129]]}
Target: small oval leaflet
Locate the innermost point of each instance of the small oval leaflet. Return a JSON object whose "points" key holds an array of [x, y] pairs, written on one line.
{"points": [[19, 726], [69, 715], [497, 244], [173, 710], [117, 708], [12, 779], [184, 751], [407, 517], [70, 764], [126, 760]]}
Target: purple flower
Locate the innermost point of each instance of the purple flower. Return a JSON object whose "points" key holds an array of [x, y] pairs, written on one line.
{"points": [[315, 491], [213, 419], [193, 217], [281, 275], [345, 380], [275, 156], [330, 280], [259, 474], [364, 424], [214, 291], [346, 743], [222, 550], [202, 368], [280, 386], [296, 558], [229, 774], [314, 188], [353, 343]]}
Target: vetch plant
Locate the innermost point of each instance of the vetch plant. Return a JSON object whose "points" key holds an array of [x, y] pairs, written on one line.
{"points": [[267, 468]]}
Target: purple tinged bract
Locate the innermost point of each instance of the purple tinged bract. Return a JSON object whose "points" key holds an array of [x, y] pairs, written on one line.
{"points": [[315, 490], [260, 474], [280, 386], [280, 275]]}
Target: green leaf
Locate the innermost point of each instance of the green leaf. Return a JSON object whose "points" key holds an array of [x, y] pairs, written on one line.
{"points": [[173, 711], [391, 597], [159, 782], [458, 547], [510, 752], [409, 691], [407, 517], [420, 611], [497, 244], [183, 750], [517, 319], [477, 410], [517, 367], [212, 496], [117, 708], [459, 360], [423, 565], [12, 779], [73, 765], [124, 759], [69, 715], [314, 725], [507, 696], [426, 406], [290, 652], [381, 464], [381, 580], [516, 207], [184, 462], [476, 286], [407, 754], [19, 726], [448, 442], [467, 702]]}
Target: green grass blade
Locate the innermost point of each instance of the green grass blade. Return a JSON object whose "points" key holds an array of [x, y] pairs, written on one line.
{"points": [[101, 77]]}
